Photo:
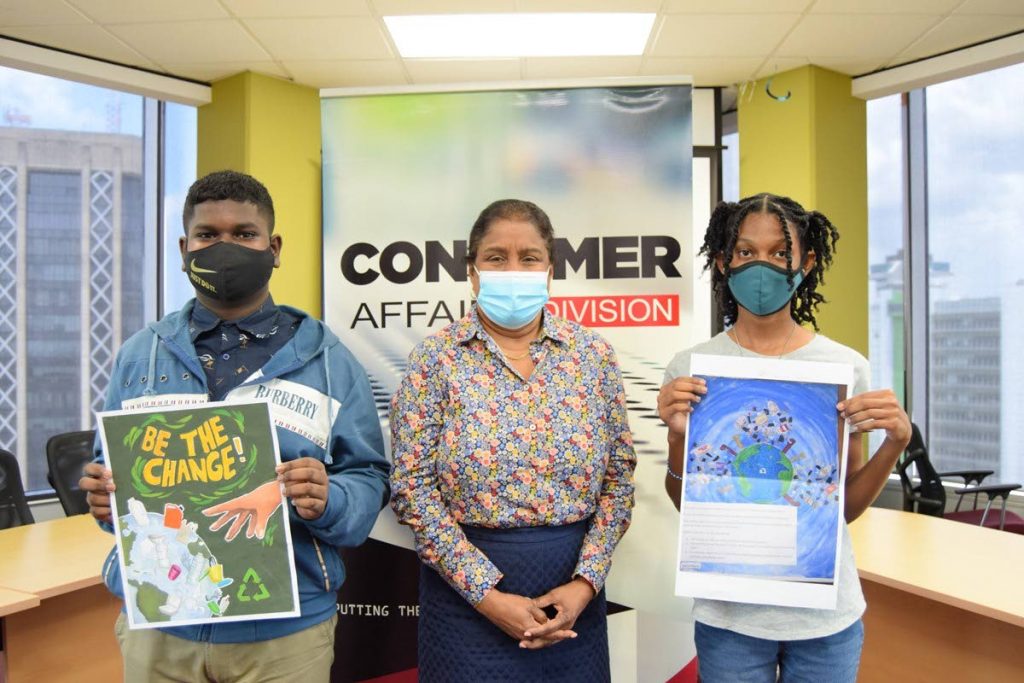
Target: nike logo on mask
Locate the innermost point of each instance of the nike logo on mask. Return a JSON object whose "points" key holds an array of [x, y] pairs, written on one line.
{"points": [[197, 269]]}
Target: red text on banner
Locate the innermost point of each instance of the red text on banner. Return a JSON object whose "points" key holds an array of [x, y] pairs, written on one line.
{"points": [[638, 310]]}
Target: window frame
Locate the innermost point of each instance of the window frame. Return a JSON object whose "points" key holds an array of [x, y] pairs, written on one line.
{"points": [[153, 146], [918, 327]]}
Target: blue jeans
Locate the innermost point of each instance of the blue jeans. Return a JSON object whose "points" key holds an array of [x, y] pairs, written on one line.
{"points": [[728, 657]]}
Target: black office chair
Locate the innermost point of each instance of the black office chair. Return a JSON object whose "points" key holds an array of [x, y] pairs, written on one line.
{"points": [[928, 496], [13, 506], [66, 455]]}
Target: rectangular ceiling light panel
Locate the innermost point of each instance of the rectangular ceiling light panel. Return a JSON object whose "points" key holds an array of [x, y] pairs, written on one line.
{"points": [[448, 36]]}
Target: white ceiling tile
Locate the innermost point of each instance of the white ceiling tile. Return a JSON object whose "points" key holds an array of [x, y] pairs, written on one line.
{"points": [[959, 31], [1014, 7], [462, 70], [581, 67], [718, 42], [38, 12], [214, 71], [705, 70], [324, 38], [720, 35], [588, 5], [387, 8], [734, 6], [135, 12], [87, 39], [778, 65], [192, 41], [347, 73], [884, 6], [305, 8], [854, 35]]}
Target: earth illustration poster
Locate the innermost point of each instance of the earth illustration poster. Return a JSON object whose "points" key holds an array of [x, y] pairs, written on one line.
{"points": [[202, 532], [762, 496]]}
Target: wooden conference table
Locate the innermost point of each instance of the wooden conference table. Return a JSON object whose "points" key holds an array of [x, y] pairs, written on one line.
{"points": [[945, 599], [58, 618]]}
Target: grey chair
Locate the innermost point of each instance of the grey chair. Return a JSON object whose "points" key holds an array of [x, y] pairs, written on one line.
{"points": [[66, 455], [13, 505], [928, 495]]}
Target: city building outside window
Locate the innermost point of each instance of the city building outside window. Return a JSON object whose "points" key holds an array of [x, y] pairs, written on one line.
{"points": [[180, 137], [731, 164], [74, 276], [885, 249], [975, 283], [975, 183]]}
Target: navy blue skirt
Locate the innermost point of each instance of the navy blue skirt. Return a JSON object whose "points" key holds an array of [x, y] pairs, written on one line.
{"points": [[457, 643]]}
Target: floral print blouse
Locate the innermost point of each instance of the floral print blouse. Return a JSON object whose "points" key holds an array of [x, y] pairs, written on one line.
{"points": [[473, 442]]}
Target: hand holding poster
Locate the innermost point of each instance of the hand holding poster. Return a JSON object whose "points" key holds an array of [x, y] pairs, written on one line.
{"points": [[762, 497], [201, 531]]}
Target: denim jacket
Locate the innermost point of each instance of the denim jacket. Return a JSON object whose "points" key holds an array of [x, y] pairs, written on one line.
{"points": [[323, 408]]}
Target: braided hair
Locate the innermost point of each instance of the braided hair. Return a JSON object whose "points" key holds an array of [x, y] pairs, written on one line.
{"points": [[815, 232]]}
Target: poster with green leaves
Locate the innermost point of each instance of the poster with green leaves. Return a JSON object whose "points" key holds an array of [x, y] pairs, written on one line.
{"points": [[202, 529]]}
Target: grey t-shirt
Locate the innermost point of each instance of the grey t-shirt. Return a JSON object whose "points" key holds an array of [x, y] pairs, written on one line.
{"points": [[767, 621]]}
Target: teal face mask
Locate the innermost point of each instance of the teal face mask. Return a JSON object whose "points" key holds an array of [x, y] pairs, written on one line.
{"points": [[511, 299], [761, 287]]}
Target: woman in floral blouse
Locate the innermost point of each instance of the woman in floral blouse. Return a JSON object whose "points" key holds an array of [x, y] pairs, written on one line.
{"points": [[513, 465]]}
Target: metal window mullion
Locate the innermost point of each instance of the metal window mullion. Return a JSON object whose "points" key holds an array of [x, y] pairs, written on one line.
{"points": [[152, 209], [915, 263], [85, 308], [103, 212], [22, 315], [717, 323], [117, 220]]}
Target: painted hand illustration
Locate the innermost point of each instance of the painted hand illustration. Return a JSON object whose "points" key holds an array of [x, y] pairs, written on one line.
{"points": [[254, 508]]}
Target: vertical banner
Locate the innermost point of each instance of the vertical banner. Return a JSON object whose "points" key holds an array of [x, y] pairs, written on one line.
{"points": [[405, 176]]}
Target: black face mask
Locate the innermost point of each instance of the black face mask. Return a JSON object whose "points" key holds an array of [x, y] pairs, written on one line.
{"points": [[228, 272]]}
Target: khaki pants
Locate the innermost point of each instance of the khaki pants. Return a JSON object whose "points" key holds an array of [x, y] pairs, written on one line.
{"points": [[154, 657]]}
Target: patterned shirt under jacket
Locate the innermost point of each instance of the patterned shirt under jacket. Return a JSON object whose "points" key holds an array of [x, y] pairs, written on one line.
{"points": [[475, 443]]}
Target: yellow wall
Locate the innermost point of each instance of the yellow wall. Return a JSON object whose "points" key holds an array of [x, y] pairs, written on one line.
{"points": [[813, 148], [270, 129]]}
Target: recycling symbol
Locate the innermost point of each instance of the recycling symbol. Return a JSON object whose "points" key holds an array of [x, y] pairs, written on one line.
{"points": [[252, 582]]}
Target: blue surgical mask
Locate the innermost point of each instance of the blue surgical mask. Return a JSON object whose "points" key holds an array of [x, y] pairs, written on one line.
{"points": [[761, 287], [512, 299]]}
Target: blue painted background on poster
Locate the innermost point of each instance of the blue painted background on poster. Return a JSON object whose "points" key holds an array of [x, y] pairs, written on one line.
{"points": [[770, 442]]}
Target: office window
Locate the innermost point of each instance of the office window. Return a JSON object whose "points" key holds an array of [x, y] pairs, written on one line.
{"points": [[133, 244], [180, 136], [975, 144], [75, 278], [968, 388], [885, 248], [731, 166], [53, 300]]}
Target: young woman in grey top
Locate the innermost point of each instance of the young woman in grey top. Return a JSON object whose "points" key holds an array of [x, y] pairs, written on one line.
{"points": [[767, 256]]}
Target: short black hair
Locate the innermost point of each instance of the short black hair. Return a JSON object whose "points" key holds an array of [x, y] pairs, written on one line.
{"points": [[511, 210], [815, 232], [221, 185]]}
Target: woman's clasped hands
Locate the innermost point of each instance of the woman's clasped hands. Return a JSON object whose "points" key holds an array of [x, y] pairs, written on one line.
{"points": [[527, 620]]}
